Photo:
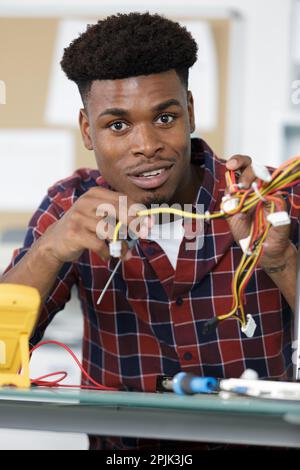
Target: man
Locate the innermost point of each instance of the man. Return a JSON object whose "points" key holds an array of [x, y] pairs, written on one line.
{"points": [[132, 73]]}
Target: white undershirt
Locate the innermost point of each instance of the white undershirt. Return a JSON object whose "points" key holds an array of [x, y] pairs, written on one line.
{"points": [[169, 237]]}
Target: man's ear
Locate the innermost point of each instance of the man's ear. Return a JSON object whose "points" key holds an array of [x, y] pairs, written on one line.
{"points": [[85, 129], [191, 111]]}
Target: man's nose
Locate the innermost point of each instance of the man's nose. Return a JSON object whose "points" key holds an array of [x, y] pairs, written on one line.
{"points": [[146, 142]]}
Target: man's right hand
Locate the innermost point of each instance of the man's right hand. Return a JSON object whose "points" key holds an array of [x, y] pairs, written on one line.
{"points": [[78, 229]]}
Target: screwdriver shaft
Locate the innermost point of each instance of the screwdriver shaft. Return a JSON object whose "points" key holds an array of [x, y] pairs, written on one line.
{"points": [[109, 281]]}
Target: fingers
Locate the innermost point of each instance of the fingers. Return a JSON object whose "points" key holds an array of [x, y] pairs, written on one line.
{"points": [[87, 228], [114, 207], [238, 162], [247, 177], [242, 164], [100, 221], [90, 241], [240, 225]]}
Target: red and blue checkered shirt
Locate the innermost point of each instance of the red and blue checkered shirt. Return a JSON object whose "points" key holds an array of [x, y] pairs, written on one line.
{"points": [[150, 320]]}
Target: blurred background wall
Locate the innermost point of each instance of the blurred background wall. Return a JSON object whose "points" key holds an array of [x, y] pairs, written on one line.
{"points": [[243, 85], [246, 84]]}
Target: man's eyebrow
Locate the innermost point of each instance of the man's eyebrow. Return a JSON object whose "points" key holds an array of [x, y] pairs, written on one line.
{"points": [[166, 104], [120, 112], [114, 111]]}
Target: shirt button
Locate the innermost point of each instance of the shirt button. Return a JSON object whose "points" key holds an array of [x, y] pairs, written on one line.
{"points": [[179, 301], [150, 251], [187, 356]]}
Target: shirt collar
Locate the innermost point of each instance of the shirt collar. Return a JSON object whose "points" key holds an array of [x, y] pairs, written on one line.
{"points": [[100, 181], [202, 155]]}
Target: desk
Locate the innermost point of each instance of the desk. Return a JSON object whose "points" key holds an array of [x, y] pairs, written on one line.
{"points": [[205, 418]]}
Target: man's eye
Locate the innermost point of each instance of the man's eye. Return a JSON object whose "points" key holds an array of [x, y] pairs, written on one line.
{"points": [[166, 118], [118, 126]]}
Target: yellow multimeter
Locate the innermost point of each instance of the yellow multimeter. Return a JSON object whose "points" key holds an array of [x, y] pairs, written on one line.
{"points": [[19, 309]]}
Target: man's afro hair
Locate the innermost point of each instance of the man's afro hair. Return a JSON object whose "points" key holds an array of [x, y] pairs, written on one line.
{"points": [[128, 45]]}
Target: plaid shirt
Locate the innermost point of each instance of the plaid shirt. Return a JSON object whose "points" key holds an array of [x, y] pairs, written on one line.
{"points": [[150, 320]]}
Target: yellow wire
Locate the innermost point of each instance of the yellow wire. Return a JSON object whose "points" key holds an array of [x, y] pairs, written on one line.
{"points": [[252, 260], [245, 261], [116, 231], [281, 179], [165, 210], [253, 199], [191, 215], [246, 202], [235, 281]]}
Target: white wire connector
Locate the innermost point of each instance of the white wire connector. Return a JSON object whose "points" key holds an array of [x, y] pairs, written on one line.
{"points": [[261, 172], [250, 326], [254, 185], [279, 218], [229, 204], [244, 244], [115, 248], [249, 374]]}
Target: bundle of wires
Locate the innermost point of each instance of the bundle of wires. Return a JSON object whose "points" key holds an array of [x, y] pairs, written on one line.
{"points": [[263, 198]]}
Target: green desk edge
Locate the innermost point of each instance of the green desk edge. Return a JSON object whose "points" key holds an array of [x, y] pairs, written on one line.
{"points": [[170, 401]]}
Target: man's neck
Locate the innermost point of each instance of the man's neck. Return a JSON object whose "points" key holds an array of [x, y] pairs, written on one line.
{"points": [[189, 191]]}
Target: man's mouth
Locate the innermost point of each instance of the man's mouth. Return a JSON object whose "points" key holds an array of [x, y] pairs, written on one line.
{"points": [[151, 179]]}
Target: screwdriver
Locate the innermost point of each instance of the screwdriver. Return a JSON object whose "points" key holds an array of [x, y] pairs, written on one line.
{"points": [[130, 244]]}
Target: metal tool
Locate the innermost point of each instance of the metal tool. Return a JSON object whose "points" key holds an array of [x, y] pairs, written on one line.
{"points": [[130, 244], [109, 281]]}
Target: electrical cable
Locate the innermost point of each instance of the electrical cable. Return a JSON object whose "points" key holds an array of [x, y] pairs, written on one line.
{"points": [[264, 195], [41, 382]]}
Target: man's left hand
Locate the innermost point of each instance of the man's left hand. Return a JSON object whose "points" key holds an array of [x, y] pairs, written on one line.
{"points": [[277, 244]]}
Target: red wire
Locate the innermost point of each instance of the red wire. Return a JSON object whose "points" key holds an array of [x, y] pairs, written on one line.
{"points": [[277, 201], [256, 222], [40, 381], [97, 386], [233, 177], [55, 383]]}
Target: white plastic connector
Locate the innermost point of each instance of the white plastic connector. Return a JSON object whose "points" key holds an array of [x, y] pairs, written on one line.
{"points": [[250, 326], [249, 374], [115, 248], [229, 203], [244, 244], [261, 172], [279, 218], [254, 185]]}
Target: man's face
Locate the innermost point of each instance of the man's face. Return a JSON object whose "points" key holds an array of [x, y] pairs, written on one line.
{"points": [[139, 129]]}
